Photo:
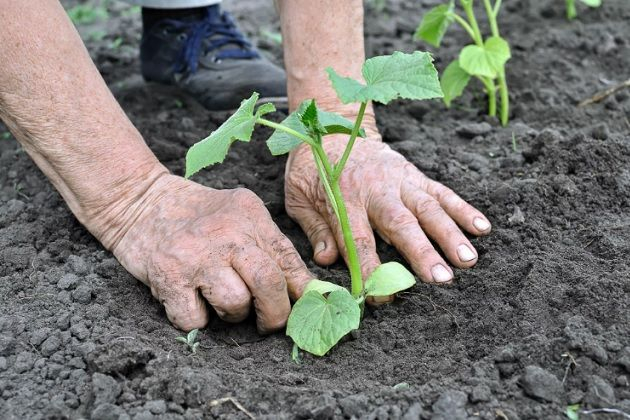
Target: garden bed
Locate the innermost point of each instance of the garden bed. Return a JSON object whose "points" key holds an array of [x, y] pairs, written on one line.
{"points": [[542, 321]]}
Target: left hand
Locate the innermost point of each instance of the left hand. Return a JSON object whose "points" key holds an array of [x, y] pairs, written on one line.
{"points": [[385, 192]]}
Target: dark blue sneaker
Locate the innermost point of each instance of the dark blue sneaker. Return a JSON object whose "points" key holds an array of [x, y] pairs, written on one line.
{"points": [[206, 56]]}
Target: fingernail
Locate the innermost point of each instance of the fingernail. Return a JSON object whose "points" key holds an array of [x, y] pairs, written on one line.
{"points": [[465, 254], [379, 300], [441, 274], [320, 247], [481, 224]]}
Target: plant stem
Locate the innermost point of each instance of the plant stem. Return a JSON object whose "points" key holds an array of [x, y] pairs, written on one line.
{"points": [[470, 14], [571, 10], [505, 98], [354, 265], [503, 89], [353, 136], [492, 95], [306, 139], [464, 24]]}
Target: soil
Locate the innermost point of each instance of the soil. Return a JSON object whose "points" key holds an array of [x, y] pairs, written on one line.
{"points": [[541, 322]]}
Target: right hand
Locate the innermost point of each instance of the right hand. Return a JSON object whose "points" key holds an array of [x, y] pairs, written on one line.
{"points": [[190, 243]]}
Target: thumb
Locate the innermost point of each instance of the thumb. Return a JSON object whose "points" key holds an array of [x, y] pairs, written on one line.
{"points": [[325, 251]]}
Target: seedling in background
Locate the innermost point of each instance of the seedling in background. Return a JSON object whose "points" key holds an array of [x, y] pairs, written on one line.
{"points": [[190, 340], [485, 59], [326, 312], [572, 9]]}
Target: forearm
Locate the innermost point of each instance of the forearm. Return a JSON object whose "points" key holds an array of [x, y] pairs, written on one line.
{"points": [[319, 34], [58, 107]]}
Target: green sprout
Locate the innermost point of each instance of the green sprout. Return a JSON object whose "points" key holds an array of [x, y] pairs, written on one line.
{"points": [[485, 59], [572, 9], [190, 340], [327, 312]]}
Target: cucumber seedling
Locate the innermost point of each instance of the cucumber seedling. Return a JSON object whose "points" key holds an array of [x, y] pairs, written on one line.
{"points": [[326, 312], [485, 59], [572, 9], [190, 340]]}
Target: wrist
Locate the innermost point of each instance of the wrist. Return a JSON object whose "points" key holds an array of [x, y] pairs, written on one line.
{"points": [[111, 215]]}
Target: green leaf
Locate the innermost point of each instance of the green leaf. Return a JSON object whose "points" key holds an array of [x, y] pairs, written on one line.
{"points": [[454, 81], [435, 24], [182, 340], [321, 286], [486, 61], [573, 412], [400, 75], [281, 143], [310, 119], [387, 279], [192, 336], [317, 323], [214, 148], [592, 3]]}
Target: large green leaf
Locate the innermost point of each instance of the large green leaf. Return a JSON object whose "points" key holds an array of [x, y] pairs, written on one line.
{"points": [[214, 148], [435, 23], [280, 142], [486, 61], [317, 323], [454, 80], [400, 75], [387, 279]]}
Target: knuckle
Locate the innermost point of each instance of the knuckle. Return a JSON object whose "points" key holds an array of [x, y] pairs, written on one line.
{"points": [[247, 199], [400, 221], [427, 208], [270, 280]]}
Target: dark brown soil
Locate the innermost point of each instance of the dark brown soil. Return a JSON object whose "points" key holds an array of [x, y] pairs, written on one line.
{"points": [[543, 321]]}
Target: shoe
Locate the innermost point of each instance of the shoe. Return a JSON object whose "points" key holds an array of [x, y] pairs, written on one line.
{"points": [[207, 57]]}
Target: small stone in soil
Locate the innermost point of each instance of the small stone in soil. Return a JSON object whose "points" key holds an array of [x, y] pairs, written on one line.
{"points": [[599, 393], [450, 406], [541, 384], [480, 393], [472, 130]]}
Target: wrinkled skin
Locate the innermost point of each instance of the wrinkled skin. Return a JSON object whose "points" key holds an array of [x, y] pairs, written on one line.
{"points": [[192, 244], [384, 192]]}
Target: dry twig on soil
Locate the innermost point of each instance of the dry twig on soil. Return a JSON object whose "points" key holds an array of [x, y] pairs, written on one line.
{"points": [[237, 404], [600, 96]]}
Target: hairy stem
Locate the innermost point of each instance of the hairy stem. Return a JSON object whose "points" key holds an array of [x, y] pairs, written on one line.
{"points": [[492, 18], [336, 199], [353, 136], [492, 95], [470, 14], [464, 24], [306, 139]]}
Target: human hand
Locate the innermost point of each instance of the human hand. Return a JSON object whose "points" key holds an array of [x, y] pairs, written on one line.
{"points": [[192, 244], [385, 192]]}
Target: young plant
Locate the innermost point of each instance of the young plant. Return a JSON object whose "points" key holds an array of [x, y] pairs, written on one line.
{"points": [[572, 9], [485, 59], [190, 340], [326, 312]]}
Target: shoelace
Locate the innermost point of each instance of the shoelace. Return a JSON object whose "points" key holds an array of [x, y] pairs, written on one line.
{"points": [[213, 24]]}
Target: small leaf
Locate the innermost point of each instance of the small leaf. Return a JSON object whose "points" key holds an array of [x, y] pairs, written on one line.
{"points": [[387, 279], [321, 286], [317, 323], [454, 80], [194, 347], [435, 23], [486, 61], [400, 75], [310, 119], [192, 336], [214, 148], [265, 109], [281, 143], [592, 3], [573, 412], [182, 340]]}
